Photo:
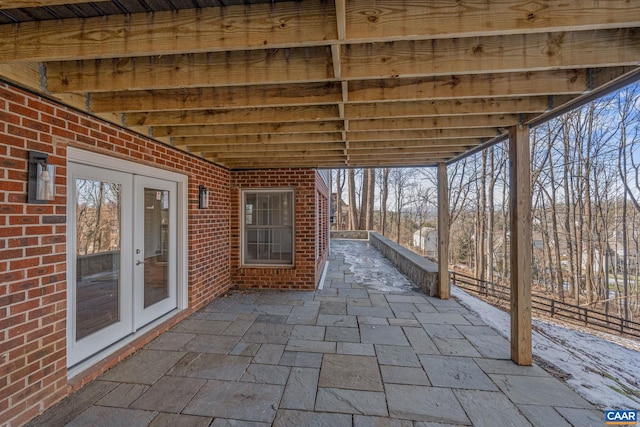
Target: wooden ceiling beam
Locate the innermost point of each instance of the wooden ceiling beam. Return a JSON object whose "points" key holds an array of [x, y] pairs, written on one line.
{"points": [[493, 54], [214, 29], [422, 134], [470, 86], [246, 164], [359, 147], [265, 139], [402, 19], [516, 53], [248, 115], [249, 129], [291, 154], [216, 97], [295, 24], [391, 90], [436, 122], [447, 107], [269, 66], [397, 163], [15, 4], [274, 148], [364, 150], [408, 157], [277, 158]]}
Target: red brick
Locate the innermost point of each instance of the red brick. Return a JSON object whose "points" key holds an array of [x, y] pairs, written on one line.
{"points": [[24, 263], [11, 254]]}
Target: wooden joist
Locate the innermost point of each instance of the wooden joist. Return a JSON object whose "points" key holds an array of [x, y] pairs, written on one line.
{"points": [[249, 129], [351, 82], [294, 24]]}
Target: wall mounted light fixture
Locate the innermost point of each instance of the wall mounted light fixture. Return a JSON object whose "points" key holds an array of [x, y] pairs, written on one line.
{"points": [[42, 178], [203, 197]]}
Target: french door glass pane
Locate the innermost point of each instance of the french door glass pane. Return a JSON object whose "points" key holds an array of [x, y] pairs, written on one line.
{"points": [[98, 228], [156, 246]]}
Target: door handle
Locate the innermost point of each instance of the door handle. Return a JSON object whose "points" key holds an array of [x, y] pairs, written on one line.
{"points": [[138, 262]]}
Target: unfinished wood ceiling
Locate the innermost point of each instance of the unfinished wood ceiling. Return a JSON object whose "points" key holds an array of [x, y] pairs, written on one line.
{"points": [[253, 84]]}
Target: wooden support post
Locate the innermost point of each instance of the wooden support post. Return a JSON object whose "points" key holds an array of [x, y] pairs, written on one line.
{"points": [[444, 288], [521, 249]]}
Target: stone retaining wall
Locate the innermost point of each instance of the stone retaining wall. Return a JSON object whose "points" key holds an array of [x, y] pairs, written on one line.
{"points": [[350, 234]]}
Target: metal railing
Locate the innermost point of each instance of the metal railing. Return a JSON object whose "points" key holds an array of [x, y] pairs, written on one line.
{"points": [[569, 312]]}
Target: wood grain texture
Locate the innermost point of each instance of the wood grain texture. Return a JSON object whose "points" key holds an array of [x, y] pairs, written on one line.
{"points": [[492, 54], [249, 129], [217, 97], [444, 286], [192, 70], [249, 115], [521, 244], [447, 107], [215, 29]]}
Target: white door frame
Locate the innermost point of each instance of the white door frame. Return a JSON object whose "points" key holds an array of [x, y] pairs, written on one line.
{"points": [[78, 350], [142, 315], [105, 162]]}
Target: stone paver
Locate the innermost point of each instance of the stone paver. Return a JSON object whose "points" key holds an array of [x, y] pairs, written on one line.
{"points": [[266, 374], [366, 350], [351, 401], [539, 391], [101, 416], [169, 394], [396, 355], [211, 366], [173, 420], [456, 372], [381, 334], [367, 421], [543, 416], [123, 395], [286, 418], [350, 372], [269, 354], [489, 409], [421, 403], [207, 344], [236, 400], [337, 333], [144, 367], [301, 389], [404, 375]]}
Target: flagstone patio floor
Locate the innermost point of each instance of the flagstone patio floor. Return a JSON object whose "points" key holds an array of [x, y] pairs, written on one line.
{"points": [[366, 350]]}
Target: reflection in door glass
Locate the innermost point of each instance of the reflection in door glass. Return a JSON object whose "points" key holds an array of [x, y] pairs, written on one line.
{"points": [[156, 246], [98, 225]]}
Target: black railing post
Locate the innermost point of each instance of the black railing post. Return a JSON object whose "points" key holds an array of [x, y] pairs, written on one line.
{"points": [[553, 307]]}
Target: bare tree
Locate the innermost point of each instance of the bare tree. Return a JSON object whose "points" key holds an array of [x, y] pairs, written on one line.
{"points": [[384, 195], [353, 209]]}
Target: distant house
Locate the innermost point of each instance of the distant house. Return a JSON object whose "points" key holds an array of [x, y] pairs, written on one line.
{"points": [[426, 239], [342, 222]]}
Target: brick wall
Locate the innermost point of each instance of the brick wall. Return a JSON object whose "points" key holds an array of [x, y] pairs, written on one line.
{"points": [[304, 274], [33, 289]]}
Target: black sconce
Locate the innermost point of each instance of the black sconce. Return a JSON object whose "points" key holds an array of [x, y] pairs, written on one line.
{"points": [[42, 177], [203, 197]]}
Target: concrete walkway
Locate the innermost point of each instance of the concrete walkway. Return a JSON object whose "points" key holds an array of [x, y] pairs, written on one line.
{"points": [[364, 351]]}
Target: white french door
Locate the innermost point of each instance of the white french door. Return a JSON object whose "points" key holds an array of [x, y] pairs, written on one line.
{"points": [[123, 246], [154, 249]]}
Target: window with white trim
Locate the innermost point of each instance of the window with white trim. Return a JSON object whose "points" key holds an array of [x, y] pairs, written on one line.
{"points": [[268, 227]]}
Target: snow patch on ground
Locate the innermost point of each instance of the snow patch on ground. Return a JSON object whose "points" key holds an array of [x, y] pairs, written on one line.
{"points": [[369, 267], [603, 372]]}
